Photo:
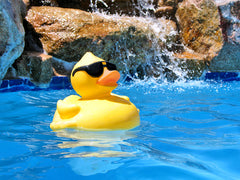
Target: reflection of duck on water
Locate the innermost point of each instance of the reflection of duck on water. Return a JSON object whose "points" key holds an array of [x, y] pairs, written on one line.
{"points": [[97, 108], [95, 152]]}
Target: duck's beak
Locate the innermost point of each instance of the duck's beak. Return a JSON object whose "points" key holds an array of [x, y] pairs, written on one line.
{"points": [[109, 78]]}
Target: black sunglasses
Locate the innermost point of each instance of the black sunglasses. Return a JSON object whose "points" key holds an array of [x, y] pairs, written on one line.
{"points": [[96, 69]]}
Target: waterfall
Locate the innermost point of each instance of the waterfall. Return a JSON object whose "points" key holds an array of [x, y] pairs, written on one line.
{"points": [[159, 60], [144, 38]]}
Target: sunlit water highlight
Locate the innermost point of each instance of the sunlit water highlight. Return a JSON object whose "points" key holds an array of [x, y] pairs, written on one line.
{"points": [[188, 131]]}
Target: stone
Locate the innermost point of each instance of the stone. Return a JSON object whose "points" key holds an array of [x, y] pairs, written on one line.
{"points": [[133, 7], [172, 3], [230, 21], [228, 59], [129, 42], [42, 2], [36, 66], [224, 2], [191, 64], [165, 11], [235, 9], [199, 27], [26, 2], [12, 13], [61, 67]]}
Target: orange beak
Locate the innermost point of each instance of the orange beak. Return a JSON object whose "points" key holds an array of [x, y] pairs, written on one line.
{"points": [[109, 78]]}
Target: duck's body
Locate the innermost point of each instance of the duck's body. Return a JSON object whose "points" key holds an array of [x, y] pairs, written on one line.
{"points": [[97, 109], [109, 113]]}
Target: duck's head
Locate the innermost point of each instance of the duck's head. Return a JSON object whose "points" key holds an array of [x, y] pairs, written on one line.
{"points": [[92, 77]]}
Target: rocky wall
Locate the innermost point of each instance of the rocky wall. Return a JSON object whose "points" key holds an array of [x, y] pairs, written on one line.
{"points": [[12, 32], [156, 38], [229, 56]]}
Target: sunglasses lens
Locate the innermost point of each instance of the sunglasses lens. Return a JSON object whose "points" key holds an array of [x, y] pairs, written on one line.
{"points": [[95, 69], [111, 67]]}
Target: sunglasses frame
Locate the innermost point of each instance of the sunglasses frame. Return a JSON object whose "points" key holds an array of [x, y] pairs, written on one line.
{"points": [[87, 68]]}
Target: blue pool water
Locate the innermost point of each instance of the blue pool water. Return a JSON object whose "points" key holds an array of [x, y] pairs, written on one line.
{"points": [[188, 131]]}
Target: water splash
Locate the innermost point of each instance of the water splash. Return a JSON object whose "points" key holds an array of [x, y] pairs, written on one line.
{"points": [[145, 46], [155, 56]]}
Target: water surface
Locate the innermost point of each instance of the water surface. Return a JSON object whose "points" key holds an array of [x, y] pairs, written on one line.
{"points": [[188, 131]]}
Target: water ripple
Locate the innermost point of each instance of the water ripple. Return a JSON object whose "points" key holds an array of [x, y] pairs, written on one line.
{"points": [[188, 131]]}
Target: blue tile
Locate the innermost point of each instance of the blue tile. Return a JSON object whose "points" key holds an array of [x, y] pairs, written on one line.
{"points": [[30, 84], [232, 79], [27, 82], [220, 75], [56, 80], [228, 75], [67, 83], [56, 83], [4, 84], [16, 82]]}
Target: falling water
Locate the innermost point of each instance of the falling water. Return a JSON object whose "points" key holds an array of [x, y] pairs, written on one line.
{"points": [[151, 53], [159, 60]]}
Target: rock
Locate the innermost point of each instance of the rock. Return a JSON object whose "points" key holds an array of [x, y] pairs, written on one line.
{"points": [[165, 11], [37, 66], [27, 3], [235, 9], [191, 65], [224, 2], [127, 41], [199, 26], [12, 33], [172, 3], [166, 8], [228, 59], [11, 74], [44, 2], [62, 68], [133, 7], [32, 39], [230, 21]]}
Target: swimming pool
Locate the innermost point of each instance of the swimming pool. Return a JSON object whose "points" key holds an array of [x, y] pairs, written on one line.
{"points": [[189, 130]]}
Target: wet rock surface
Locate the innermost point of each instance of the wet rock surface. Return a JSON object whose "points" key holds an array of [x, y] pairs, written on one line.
{"points": [[228, 59], [68, 34], [36, 66], [199, 26], [159, 38], [126, 7], [12, 13]]}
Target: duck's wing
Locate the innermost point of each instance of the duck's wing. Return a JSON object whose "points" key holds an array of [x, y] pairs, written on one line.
{"points": [[72, 99], [120, 96], [68, 107]]}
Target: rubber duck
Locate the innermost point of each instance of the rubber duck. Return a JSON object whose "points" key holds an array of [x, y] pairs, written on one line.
{"points": [[97, 108]]}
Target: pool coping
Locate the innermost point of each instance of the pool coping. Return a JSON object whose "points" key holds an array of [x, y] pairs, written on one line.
{"points": [[62, 82], [57, 82]]}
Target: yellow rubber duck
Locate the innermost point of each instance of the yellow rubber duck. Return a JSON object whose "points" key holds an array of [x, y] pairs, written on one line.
{"points": [[97, 109]]}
